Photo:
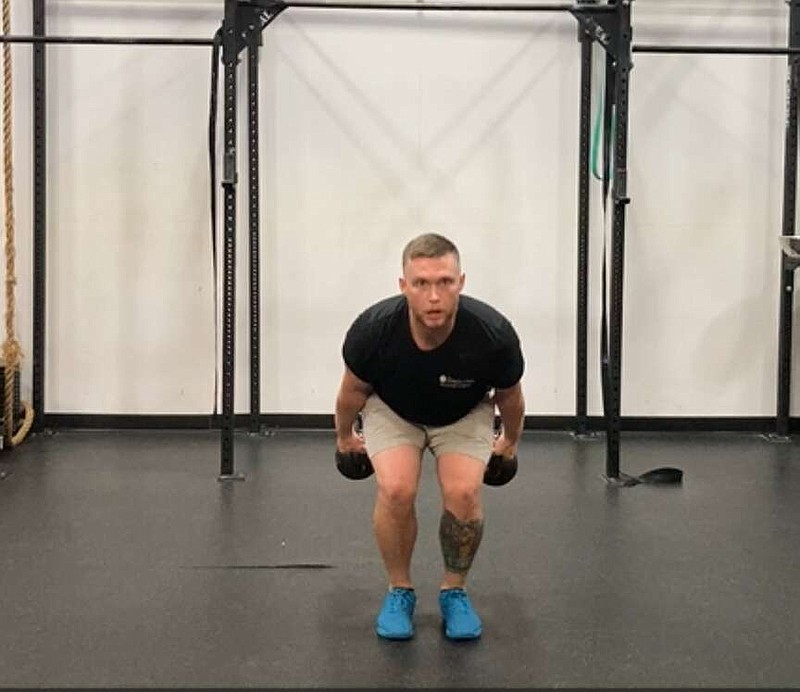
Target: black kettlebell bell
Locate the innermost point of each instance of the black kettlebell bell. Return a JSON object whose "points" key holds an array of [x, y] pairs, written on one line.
{"points": [[354, 465], [500, 470]]}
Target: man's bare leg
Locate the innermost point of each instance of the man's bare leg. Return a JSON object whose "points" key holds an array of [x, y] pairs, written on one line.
{"points": [[460, 534], [394, 518]]}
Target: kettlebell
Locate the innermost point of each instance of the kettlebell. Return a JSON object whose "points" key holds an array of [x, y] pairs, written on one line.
{"points": [[354, 465], [500, 470]]}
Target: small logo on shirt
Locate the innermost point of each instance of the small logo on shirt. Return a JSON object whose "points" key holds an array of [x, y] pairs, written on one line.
{"points": [[453, 383]]}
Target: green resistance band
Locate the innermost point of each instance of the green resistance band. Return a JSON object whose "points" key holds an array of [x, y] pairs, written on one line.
{"points": [[597, 137]]}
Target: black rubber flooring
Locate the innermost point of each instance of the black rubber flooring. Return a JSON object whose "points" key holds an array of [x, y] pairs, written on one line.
{"points": [[125, 562]]}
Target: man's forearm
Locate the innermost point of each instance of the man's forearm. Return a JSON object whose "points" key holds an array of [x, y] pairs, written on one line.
{"points": [[348, 404], [512, 414]]}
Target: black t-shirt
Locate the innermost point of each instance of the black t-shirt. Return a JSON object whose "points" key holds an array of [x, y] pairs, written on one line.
{"points": [[439, 386]]}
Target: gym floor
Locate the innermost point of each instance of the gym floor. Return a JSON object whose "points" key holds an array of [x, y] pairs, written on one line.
{"points": [[127, 563]]}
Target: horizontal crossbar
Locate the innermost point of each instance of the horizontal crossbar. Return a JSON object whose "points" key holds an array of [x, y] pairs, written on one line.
{"points": [[316, 4], [716, 50], [108, 40], [434, 6]]}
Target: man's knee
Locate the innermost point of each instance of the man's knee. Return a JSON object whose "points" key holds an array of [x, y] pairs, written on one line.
{"points": [[397, 472], [462, 496], [396, 493], [461, 481]]}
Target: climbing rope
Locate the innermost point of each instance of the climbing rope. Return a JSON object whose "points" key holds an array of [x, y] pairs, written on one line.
{"points": [[12, 353]]}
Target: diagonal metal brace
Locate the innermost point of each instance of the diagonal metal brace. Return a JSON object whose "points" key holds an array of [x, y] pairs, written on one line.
{"points": [[243, 26], [605, 28]]}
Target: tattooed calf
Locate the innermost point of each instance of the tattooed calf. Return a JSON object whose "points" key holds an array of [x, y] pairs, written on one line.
{"points": [[460, 541]]}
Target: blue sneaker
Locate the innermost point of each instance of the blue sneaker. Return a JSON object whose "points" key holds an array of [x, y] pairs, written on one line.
{"points": [[460, 620], [395, 619]]}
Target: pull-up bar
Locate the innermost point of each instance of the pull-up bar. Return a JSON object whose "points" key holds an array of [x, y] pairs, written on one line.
{"points": [[317, 4], [417, 6], [109, 40], [167, 41], [716, 50]]}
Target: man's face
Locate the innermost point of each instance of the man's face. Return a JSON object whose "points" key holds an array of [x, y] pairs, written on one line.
{"points": [[431, 286]]}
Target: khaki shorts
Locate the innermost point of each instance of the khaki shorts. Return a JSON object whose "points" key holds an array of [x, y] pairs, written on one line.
{"points": [[472, 435]]}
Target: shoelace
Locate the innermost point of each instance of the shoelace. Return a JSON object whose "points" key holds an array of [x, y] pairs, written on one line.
{"points": [[458, 599], [399, 600]]}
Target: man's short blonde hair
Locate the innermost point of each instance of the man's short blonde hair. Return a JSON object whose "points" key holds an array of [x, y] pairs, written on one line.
{"points": [[430, 245]]}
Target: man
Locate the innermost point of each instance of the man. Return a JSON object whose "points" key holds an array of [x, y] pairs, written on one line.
{"points": [[426, 369]]}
